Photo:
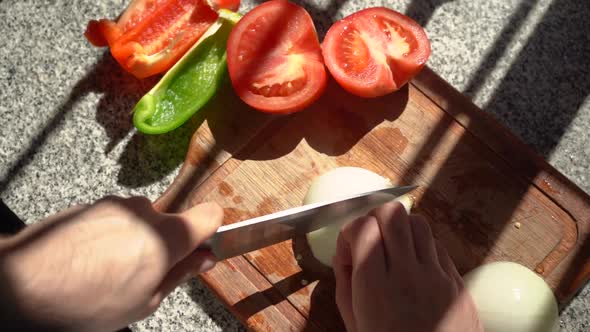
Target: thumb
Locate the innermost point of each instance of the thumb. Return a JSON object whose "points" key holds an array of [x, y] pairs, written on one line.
{"points": [[183, 233], [342, 264]]}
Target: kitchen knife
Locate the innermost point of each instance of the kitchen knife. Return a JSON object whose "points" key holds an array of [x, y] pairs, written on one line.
{"points": [[248, 235]]}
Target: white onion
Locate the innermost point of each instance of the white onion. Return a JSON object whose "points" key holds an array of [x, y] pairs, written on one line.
{"points": [[510, 297], [335, 184]]}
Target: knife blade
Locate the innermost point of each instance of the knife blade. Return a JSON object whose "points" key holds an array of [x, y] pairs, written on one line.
{"points": [[252, 234]]}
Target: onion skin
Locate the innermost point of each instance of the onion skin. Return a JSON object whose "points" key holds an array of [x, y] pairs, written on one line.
{"points": [[338, 183], [510, 297]]}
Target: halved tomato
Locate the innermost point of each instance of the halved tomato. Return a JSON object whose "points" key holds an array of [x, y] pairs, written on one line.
{"points": [[274, 58], [375, 51]]}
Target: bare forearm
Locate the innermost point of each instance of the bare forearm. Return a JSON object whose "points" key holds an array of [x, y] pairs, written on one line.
{"points": [[11, 308], [53, 275], [17, 308]]}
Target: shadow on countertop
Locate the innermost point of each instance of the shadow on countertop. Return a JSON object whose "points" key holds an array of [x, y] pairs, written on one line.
{"points": [[204, 298], [549, 80], [422, 10], [120, 93], [145, 159]]}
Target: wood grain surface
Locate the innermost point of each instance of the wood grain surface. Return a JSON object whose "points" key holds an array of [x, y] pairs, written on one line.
{"points": [[487, 196]]}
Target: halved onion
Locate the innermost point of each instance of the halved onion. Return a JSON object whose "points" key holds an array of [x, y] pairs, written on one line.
{"points": [[510, 297], [335, 184]]}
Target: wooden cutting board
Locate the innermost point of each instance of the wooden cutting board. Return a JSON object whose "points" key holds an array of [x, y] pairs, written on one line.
{"points": [[487, 196]]}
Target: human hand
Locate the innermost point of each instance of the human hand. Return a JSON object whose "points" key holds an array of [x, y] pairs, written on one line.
{"points": [[103, 266], [391, 275]]}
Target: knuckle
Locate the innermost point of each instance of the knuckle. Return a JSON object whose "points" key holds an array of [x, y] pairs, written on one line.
{"points": [[393, 207], [110, 199], [125, 207], [110, 202], [391, 212], [372, 223], [371, 230], [382, 210], [362, 223], [140, 202]]}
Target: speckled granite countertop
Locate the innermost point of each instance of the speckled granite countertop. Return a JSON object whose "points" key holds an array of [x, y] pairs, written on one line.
{"points": [[67, 135]]}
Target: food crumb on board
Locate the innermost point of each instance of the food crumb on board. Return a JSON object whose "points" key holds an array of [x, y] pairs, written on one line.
{"points": [[298, 257], [517, 225], [304, 282]]}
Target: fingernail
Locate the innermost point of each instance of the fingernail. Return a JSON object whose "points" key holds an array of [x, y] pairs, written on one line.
{"points": [[206, 265]]}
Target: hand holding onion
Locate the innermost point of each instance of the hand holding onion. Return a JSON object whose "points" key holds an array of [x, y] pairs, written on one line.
{"points": [[391, 275]]}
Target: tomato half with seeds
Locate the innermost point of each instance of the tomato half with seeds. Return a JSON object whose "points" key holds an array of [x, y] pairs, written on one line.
{"points": [[375, 51], [274, 58]]}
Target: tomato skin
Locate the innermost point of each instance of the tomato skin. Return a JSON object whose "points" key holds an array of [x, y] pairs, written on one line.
{"points": [[375, 51], [274, 58]]}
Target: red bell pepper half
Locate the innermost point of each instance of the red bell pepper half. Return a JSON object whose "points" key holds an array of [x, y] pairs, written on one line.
{"points": [[152, 35]]}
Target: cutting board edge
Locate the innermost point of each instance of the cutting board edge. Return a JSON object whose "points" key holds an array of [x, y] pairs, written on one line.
{"points": [[528, 164], [428, 82]]}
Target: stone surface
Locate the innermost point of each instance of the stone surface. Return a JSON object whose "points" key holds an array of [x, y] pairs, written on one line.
{"points": [[67, 136]]}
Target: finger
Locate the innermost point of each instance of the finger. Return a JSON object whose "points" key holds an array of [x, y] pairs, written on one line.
{"points": [[183, 233], [343, 253], [197, 262], [396, 231], [424, 244], [140, 203], [448, 265], [366, 247], [142, 207], [342, 264]]}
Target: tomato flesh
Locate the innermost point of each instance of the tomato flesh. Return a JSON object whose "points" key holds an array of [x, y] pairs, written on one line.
{"points": [[375, 51], [160, 40], [152, 35], [274, 58]]}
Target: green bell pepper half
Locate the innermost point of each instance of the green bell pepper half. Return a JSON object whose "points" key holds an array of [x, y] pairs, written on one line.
{"points": [[189, 84]]}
